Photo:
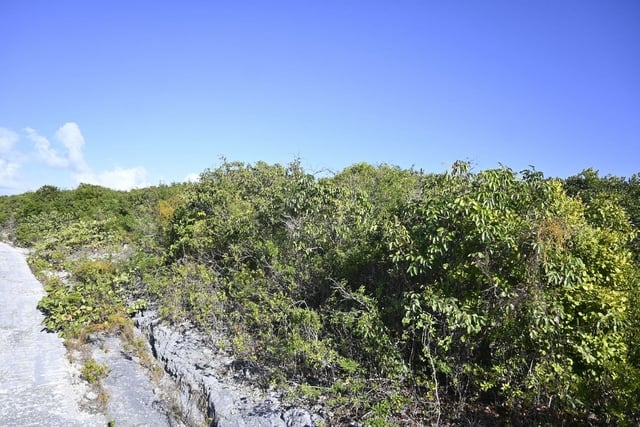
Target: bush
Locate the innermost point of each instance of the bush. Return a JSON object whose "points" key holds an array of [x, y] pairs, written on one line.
{"points": [[94, 372], [388, 295]]}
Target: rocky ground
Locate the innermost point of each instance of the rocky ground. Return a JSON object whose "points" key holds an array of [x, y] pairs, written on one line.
{"points": [[210, 378], [38, 385], [162, 375]]}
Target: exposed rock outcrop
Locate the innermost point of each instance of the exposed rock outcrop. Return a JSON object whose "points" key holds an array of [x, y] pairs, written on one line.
{"points": [[135, 398], [38, 385], [209, 393]]}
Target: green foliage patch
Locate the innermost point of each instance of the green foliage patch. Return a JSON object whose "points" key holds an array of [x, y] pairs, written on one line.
{"points": [[94, 372], [387, 295]]}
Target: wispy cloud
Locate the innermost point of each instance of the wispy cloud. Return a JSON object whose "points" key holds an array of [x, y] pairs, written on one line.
{"points": [[118, 178], [8, 172], [45, 152], [71, 137], [9, 166], [192, 177], [66, 153], [8, 139]]}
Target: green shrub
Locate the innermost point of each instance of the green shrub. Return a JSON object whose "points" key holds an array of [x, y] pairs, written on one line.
{"points": [[391, 296], [94, 372]]}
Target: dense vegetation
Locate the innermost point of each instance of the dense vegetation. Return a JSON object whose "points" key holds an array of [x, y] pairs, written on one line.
{"points": [[387, 295]]}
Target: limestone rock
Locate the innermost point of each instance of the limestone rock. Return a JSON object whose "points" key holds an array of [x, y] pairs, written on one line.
{"points": [[204, 381]]}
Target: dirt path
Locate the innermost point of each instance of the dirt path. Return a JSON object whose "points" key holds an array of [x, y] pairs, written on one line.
{"points": [[38, 385]]}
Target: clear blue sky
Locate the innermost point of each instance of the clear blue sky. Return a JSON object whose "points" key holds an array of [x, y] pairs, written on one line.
{"points": [[125, 93]]}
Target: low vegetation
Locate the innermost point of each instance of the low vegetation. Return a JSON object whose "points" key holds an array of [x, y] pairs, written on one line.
{"points": [[387, 295], [94, 372]]}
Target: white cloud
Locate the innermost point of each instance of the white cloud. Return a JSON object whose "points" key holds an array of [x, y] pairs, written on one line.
{"points": [[118, 178], [192, 177], [71, 137], [47, 154], [66, 154], [8, 139], [8, 171], [9, 158]]}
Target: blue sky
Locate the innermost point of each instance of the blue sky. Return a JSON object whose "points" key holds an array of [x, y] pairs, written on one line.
{"points": [[131, 93]]}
